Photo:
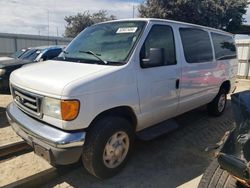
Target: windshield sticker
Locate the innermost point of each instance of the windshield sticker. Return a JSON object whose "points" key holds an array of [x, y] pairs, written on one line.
{"points": [[127, 30]]}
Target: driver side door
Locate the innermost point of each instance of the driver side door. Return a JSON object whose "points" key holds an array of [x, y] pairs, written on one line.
{"points": [[158, 86]]}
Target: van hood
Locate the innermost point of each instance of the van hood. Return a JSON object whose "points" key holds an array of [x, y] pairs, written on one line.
{"points": [[51, 77]]}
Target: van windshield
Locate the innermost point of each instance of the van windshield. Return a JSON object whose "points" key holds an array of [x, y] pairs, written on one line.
{"points": [[107, 42]]}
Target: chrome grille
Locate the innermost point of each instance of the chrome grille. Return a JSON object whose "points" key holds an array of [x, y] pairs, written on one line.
{"points": [[27, 101]]}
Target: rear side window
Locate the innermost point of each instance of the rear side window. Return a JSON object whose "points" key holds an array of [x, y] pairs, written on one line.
{"points": [[160, 36], [224, 46], [197, 45]]}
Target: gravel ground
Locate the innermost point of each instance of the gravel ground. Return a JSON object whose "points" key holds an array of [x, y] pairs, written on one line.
{"points": [[20, 167], [171, 160], [4, 101], [7, 135]]}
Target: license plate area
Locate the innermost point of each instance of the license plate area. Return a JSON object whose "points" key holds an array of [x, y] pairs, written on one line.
{"points": [[42, 152]]}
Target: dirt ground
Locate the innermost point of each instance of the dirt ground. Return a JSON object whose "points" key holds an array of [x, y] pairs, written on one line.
{"points": [[7, 135], [171, 160], [20, 167]]}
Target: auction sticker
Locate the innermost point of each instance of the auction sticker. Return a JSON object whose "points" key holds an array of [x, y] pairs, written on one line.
{"points": [[127, 30]]}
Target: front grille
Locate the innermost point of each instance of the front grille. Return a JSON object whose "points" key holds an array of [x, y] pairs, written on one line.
{"points": [[27, 101]]}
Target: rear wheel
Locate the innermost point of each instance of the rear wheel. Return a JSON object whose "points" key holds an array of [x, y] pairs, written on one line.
{"points": [[218, 105], [107, 147], [215, 177]]}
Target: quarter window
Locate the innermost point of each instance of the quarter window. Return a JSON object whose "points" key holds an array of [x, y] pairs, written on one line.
{"points": [[160, 36], [197, 45], [224, 46]]}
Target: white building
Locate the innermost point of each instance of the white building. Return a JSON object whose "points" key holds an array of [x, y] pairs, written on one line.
{"points": [[10, 43], [243, 50]]}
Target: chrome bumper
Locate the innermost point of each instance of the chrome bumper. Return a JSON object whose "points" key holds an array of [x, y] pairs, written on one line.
{"points": [[35, 131]]}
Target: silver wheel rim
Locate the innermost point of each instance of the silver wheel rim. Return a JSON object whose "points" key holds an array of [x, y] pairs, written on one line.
{"points": [[222, 102], [116, 149]]}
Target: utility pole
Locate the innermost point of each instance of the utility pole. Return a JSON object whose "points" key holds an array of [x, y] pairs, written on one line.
{"points": [[133, 11], [48, 27]]}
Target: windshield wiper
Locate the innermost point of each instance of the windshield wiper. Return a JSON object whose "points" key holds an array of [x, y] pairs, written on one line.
{"points": [[95, 55]]}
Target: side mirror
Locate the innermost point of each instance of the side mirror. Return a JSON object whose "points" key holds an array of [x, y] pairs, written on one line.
{"points": [[156, 58]]}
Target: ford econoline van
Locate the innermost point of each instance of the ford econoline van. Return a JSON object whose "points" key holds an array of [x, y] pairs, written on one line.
{"points": [[115, 80]]}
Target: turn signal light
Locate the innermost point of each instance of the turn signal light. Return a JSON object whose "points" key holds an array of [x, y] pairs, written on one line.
{"points": [[69, 109]]}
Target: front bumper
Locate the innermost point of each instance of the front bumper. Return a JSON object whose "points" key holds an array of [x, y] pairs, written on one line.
{"points": [[4, 83], [55, 145]]}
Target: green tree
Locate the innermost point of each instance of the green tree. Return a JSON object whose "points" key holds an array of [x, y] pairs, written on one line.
{"points": [[222, 14], [77, 23]]}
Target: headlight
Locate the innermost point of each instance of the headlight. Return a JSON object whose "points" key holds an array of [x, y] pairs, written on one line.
{"points": [[52, 107], [2, 72], [61, 109]]}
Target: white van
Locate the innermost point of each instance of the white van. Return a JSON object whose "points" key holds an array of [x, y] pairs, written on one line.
{"points": [[114, 80]]}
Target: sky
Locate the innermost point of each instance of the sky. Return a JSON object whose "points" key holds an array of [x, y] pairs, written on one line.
{"points": [[43, 17]]}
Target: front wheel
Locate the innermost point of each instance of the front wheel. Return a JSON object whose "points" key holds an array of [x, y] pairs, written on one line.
{"points": [[107, 147], [218, 105]]}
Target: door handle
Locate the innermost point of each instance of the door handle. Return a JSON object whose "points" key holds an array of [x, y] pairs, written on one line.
{"points": [[177, 83]]}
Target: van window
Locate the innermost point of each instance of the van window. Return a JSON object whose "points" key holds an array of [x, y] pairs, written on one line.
{"points": [[197, 45], [224, 46], [160, 36]]}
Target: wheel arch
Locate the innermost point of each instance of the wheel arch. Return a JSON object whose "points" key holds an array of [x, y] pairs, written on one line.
{"points": [[120, 111], [226, 85]]}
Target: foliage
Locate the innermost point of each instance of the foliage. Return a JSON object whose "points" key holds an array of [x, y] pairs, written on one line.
{"points": [[222, 14], [77, 23]]}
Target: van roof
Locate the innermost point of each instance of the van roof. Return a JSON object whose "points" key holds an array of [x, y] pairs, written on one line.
{"points": [[172, 21]]}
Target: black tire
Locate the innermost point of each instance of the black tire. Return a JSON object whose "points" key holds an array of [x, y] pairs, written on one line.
{"points": [[215, 177], [96, 140], [213, 107]]}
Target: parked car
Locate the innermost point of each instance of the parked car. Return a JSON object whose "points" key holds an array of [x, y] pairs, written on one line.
{"points": [[15, 55], [112, 82], [19, 53], [231, 165], [30, 55]]}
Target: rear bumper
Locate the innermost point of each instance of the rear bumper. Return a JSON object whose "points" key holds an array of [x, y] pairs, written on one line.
{"points": [[56, 146]]}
